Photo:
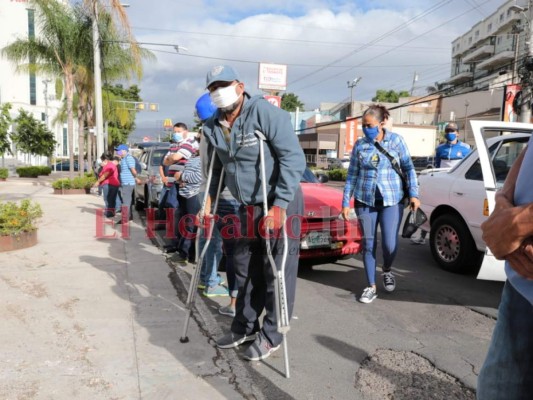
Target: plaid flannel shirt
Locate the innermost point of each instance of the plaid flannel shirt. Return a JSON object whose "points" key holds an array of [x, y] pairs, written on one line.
{"points": [[370, 169]]}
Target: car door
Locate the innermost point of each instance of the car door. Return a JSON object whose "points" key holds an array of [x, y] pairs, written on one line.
{"points": [[494, 168]]}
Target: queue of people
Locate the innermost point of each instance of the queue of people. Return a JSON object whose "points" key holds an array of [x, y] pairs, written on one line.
{"points": [[381, 180]]}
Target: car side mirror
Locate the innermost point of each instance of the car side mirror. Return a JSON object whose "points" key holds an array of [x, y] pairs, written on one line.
{"points": [[322, 178]]}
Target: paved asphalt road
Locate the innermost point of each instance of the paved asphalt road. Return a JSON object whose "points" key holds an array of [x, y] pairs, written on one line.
{"points": [[427, 340]]}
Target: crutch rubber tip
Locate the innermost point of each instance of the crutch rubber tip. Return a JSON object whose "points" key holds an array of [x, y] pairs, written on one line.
{"points": [[184, 339]]}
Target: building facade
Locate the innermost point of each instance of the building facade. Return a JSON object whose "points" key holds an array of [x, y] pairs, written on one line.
{"points": [[489, 54], [32, 92]]}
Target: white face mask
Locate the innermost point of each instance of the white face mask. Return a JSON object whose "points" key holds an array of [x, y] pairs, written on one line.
{"points": [[225, 97]]}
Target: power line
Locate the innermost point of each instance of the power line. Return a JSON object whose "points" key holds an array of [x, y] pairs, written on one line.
{"points": [[295, 41], [386, 52], [258, 61], [378, 39]]}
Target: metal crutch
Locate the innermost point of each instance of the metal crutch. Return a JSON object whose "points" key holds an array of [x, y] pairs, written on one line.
{"points": [[199, 258], [280, 292]]}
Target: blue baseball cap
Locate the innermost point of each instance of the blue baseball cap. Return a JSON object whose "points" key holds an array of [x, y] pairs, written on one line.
{"points": [[222, 73], [121, 147]]}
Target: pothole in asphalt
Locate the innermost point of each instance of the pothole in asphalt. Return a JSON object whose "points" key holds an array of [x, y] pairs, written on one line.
{"points": [[404, 375]]}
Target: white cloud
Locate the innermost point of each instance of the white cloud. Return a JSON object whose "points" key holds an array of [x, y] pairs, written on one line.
{"points": [[308, 33]]}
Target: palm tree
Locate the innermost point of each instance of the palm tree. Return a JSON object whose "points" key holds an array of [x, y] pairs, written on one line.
{"points": [[55, 52]]}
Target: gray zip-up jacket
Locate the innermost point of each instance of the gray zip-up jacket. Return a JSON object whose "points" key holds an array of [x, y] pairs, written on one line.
{"points": [[284, 157]]}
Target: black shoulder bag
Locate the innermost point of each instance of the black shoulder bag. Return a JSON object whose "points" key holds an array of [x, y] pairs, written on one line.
{"points": [[396, 168]]}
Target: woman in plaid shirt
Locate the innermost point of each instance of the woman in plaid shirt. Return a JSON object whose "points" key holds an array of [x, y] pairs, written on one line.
{"points": [[378, 193]]}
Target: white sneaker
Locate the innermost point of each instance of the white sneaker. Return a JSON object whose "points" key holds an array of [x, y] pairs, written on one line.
{"points": [[368, 296], [418, 240], [389, 282]]}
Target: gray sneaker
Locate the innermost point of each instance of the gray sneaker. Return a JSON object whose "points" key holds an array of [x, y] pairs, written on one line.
{"points": [[368, 296], [259, 349], [227, 310], [230, 340]]}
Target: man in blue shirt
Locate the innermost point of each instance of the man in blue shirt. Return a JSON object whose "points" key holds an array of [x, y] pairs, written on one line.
{"points": [[508, 369], [128, 179], [450, 153]]}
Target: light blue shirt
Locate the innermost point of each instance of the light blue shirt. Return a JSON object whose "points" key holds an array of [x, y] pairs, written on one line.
{"points": [[523, 194], [126, 176]]}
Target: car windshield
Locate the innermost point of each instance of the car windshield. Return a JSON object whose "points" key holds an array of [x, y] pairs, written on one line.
{"points": [[309, 177], [157, 155]]}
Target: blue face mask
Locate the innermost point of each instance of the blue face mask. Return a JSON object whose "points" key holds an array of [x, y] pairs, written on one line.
{"points": [[176, 137], [450, 136], [371, 133]]}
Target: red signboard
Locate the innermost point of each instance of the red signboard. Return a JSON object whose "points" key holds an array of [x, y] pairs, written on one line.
{"points": [[274, 100], [351, 136]]}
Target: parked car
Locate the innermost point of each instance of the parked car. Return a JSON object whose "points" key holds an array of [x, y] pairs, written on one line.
{"points": [[328, 238], [338, 163], [65, 166], [147, 192], [456, 202]]}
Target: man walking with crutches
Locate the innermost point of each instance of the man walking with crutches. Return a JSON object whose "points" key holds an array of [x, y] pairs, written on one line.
{"points": [[232, 133]]}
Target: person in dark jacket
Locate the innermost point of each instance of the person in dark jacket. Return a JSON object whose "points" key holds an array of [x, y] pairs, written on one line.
{"points": [[231, 131]]}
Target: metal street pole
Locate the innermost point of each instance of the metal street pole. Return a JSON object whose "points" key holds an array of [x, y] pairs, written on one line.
{"points": [[46, 118], [525, 114], [466, 117], [99, 120], [352, 85]]}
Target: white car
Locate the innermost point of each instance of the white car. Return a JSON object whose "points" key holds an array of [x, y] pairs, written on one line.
{"points": [[455, 200]]}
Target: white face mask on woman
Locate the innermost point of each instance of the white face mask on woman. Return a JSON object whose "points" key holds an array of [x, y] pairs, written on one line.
{"points": [[225, 98]]}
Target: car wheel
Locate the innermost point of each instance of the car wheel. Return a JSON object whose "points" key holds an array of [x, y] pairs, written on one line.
{"points": [[452, 246]]}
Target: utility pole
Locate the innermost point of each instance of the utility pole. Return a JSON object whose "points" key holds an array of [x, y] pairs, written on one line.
{"points": [[99, 120], [351, 86], [415, 78], [525, 112]]}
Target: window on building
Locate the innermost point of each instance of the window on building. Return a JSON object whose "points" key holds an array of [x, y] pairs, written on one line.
{"points": [[509, 11], [489, 27], [470, 40], [31, 35], [499, 40], [476, 34], [501, 17]]}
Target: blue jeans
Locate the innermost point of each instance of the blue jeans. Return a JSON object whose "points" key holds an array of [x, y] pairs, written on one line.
{"points": [[507, 373], [213, 253], [389, 219]]}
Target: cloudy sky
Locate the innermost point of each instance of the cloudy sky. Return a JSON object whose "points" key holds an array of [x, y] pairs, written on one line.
{"points": [[325, 43]]}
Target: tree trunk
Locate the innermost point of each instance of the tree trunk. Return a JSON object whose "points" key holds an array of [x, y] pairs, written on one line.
{"points": [[81, 138], [89, 146], [69, 92]]}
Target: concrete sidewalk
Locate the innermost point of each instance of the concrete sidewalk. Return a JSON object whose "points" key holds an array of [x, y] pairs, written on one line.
{"points": [[89, 318]]}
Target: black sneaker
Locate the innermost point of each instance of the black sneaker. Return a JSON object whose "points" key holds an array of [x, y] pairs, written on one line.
{"points": [[230, 340], [259, 349], [389, 283]]}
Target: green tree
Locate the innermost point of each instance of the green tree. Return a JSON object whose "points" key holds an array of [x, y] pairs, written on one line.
{"points": [[32, 136], [5, 122], [55, 51], [389, 96], [290, 101], [120, 112]]}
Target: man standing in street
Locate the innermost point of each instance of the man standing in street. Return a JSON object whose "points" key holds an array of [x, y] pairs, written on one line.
{"points": [[128, 179], [450, 153], [508, 369], [446, 156], [231, 131]]}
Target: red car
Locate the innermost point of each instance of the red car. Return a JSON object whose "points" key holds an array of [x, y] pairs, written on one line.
{"points": [[327, 237]]}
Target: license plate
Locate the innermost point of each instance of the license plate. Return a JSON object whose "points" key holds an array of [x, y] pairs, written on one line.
{"points": [[316, 239]]}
